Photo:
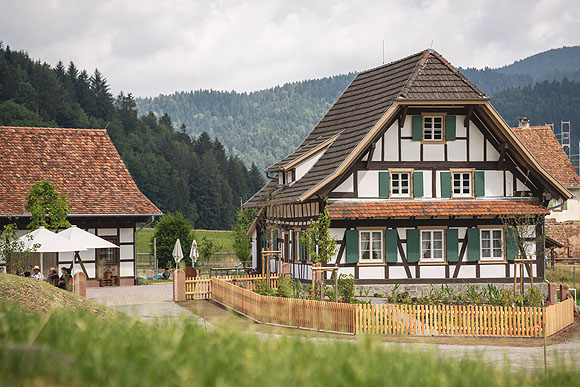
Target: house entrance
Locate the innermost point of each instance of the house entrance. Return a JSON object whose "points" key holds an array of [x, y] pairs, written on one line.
{"points": [[108, 266]]}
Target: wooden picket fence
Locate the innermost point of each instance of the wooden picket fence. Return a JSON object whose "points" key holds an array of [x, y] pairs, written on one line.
{"points": [[292, 312], [200, 288], [559, 316]]}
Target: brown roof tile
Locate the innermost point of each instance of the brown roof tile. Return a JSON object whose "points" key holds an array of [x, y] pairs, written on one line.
{"points": [[82, 162], [540, 140], [396, 208]]}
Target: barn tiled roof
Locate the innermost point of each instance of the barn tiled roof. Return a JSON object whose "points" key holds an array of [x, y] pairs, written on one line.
{"points": [[397, 208], [425, 75], [82, 162], [540, 140]]}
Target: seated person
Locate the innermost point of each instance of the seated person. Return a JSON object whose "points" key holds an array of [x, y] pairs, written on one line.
{"points": [[166, 274], [53, 277]]}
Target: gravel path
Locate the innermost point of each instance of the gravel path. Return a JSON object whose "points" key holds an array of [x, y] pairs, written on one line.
{"points": [[146, 302]]}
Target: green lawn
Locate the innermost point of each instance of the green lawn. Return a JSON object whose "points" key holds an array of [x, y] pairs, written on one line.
{"points": [[224, 238]]}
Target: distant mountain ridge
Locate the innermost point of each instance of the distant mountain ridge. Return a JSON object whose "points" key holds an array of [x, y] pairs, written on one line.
{"points": [[266, 125]]}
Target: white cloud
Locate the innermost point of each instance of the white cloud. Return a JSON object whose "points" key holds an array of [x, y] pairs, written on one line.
{"points": [[151, 47]]}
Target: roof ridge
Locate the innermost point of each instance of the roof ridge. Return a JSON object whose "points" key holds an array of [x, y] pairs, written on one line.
{"points": [[50, 128], [392, 62], [456, 72], [413, 75]]}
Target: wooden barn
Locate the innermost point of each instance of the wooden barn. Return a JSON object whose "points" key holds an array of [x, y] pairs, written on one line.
{"points": [[417, 168], [103, 198]]}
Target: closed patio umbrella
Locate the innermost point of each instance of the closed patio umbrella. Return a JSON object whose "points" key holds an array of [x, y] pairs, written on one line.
{"points": [[193, 253], [177, 253]]}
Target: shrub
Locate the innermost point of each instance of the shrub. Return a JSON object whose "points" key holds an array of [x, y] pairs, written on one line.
{"points": [[285, 287], [346, 288], [533, 297], [261, 287], [170, 228]]}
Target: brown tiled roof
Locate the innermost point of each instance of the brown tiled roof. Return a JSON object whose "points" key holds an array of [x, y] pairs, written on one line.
{"points": [[425, 75], [540, 140], [82, 162], [395, 208]]}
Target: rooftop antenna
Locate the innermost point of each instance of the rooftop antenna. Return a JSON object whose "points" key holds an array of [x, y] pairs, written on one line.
{"points": [[383, 51], [431, 46], [107, 125]]}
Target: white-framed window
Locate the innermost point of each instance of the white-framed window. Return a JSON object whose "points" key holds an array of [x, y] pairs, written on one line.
{"points": [[400, 183], [433, 128], [462, 183], [491, 242], [432, 246], [371, 246]]}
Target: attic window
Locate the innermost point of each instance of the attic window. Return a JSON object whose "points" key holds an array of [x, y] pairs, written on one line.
{"points": [[433, 128]]}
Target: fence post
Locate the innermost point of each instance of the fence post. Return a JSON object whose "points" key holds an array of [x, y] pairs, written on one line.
{"points": [[155, 255], [80, 284], [178, 285]]}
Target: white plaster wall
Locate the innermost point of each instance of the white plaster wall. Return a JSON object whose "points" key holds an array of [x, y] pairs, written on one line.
{"points": [[391, 144], [88, 255], [402, 235], [338, 234], [492, 271], [126, 235], [371, 272], [346, 271], [573, 208], [410, 150], [406, 130], [255, 249], [127, 269], [434, 152], [476, 140], [465, 271], [513, 271], [126, 252], [378, 150], [398, 272], [460, 129], [521, 186], [493, 183], [77, 268], [492, 153], [92, 230], [107, 232], [65, 257], [509, 183], [303, 167], [427, 186], [437, 184], [368, 184], [457, 150], [346, 186], [432, 271]]}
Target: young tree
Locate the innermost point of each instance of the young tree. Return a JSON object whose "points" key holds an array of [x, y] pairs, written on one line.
{"points": [[207, 248], [243, 243], [47, 207], [170, 228], [12, 251], [319, 243]]}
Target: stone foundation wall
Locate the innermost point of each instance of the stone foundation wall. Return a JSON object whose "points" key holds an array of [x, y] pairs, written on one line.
{"points": [[568, 234], [418, 290]]}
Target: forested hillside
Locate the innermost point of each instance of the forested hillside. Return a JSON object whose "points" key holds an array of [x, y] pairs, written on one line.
{"points": [[195, 176], [261, 126]]}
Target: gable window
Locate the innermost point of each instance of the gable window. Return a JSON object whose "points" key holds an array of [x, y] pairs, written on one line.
{"points": [[433, 128], [492, 244], [432, 246], [371, 246], [400, 184], [462, 183]]}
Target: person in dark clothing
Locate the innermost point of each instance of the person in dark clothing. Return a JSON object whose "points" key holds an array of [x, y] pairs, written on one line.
{"points": [[166, 274], [27, 274], [53, 277], [65, 279]]}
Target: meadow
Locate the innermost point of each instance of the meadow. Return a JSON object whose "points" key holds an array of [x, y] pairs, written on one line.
{"points": [[222, 238]]}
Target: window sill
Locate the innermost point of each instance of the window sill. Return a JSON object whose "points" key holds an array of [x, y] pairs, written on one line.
{"points": [[491, 262], [377, 263], [463, 197], [433, 141], [440, 263]]}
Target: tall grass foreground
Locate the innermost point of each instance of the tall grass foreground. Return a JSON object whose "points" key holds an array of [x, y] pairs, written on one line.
{"points": [[77, 348]]}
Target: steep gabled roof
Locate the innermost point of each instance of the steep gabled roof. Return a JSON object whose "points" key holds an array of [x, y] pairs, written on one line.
{"points": [[424, 75], [540, 140], [82, 162]]}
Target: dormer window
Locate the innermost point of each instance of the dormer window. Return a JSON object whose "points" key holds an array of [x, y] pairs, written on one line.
{"points": [[287, 177], [433, 128]]}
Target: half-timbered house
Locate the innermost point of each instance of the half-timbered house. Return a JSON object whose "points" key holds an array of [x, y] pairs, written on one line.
{"points": [[103, 198], [417, 168]]}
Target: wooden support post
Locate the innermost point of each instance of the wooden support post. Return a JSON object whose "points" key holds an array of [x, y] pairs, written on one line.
{"points": [[336, 286], [515, 277]]}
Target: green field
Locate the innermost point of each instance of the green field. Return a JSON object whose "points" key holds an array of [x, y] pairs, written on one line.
{"points": [[223, 238]]}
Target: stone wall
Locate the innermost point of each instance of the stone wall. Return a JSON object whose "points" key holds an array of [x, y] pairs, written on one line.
{"points": [[568, 234]]}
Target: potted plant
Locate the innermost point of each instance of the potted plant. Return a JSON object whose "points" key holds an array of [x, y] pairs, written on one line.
{"points": [[108, 273]]}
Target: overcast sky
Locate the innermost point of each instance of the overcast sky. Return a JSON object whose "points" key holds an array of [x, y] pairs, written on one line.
{"points": [[153, 47]]}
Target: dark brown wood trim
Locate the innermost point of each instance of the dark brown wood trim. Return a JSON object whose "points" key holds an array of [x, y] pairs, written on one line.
{"points": [[461, 255], [426, 165], [435, 281], [403, 256]]}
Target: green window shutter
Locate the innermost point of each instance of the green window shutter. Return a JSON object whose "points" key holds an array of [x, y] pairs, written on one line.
{"points": [[445, 181], [384, 184], [511, 243], [473, 244], [413, 245], [551, 204], [479, 183], [418, 184], [301, 247], [452, 245], [293, 245], [565, 205], [450, 128], [351, 237], [417, 128], [391, 242]]}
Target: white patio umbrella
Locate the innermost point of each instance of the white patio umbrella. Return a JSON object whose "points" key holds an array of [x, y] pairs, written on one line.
{"points": [[193, 253], [177, 253], [42, 241]]}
